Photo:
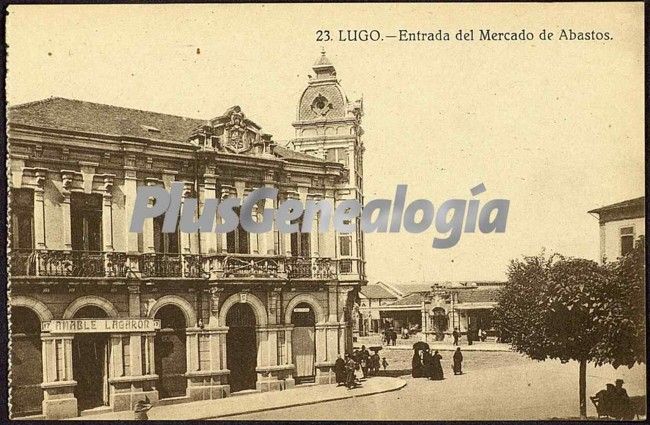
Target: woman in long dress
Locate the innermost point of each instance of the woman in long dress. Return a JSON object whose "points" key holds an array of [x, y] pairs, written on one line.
{"points": [[416, 364], [438, 374], [427, 361]]}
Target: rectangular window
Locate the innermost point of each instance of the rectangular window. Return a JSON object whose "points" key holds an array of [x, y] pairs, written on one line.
{"points": [[345, 244], [281, 348], [22, 218], [238, 241], [165, 243], [627, 240], [300, 242], [86, 221]]}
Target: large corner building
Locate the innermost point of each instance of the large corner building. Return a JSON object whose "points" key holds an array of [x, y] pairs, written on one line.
{"points": [[102, 317]]}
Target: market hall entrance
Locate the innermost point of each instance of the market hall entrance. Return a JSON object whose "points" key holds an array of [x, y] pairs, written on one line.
{"points": [[170, 356], [241, 347], [303, 343], [26, 362], [90, 363]]}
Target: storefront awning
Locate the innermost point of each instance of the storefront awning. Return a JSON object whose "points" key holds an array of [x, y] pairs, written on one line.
{"points": [[475, 306]]}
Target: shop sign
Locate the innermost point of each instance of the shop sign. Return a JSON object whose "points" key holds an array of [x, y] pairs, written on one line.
{"points": [[100, 325]]}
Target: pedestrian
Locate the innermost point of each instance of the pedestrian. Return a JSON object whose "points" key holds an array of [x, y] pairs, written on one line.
{"points": [[483, 335], [365, 360], [394, 336], [456, 335], [438, 374], [427, 361], [374, 363], [339, 370], [416, 364], [458, 362], [384, 363], [350, 367], [620, 402], [469, 337], [478, 335], [141, 408]]}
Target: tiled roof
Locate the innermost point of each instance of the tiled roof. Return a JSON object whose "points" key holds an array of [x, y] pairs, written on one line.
{"points": [[290, 154], [630, 203], [376, 291], [410, 288], [478, 295], [76, 115], [415, 298]]}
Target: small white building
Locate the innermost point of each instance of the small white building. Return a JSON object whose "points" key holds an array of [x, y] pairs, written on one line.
{"points": [[620, 225]]}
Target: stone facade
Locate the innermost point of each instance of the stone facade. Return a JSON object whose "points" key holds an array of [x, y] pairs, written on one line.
{"points": [[74, 171]]}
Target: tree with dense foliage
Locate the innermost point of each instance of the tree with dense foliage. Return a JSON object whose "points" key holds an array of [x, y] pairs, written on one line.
{"points": [[575, 309]]}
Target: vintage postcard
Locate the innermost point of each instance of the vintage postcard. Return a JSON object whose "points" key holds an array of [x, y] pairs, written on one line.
{"points": [[326, 211]]}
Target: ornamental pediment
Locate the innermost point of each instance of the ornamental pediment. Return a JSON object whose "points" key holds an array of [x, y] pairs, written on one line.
{"points": [[233, 132]]}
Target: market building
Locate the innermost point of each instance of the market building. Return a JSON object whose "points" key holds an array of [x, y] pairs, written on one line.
{"points": [[621, 224], [102, 317], [430, 311]]}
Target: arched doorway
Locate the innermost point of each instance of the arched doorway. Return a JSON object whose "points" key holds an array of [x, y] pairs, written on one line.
{"points": [[303, 343], [170, 352], [241, 347], [439, 322], [90, 355], [26, 362]]}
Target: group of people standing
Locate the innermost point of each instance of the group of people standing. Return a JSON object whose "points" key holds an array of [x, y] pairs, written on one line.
{"points": [[389, 336], [427, 365], [356, 366]]}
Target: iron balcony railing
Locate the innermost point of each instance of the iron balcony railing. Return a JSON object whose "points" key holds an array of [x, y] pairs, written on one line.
{"points": [[69, 263], [160, 265]]}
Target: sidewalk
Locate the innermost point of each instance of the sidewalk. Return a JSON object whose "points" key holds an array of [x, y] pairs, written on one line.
{"points": [[259, 402], [446, 346], [407, 344]]}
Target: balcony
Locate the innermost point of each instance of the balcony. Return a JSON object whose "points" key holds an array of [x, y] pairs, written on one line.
{"points": [[66, 263], [100, 264], [310, 268], [244, 266], [159, 265]]}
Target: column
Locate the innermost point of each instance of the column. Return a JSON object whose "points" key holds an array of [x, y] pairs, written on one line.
{"points": [[147, 231], [65, 222], [39, 208], [186, 243], [58, 386], [107, 213], [209, 242], [130, 193]]}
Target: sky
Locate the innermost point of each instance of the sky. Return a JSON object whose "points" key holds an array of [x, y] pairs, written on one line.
{"points": [[556, 127]]}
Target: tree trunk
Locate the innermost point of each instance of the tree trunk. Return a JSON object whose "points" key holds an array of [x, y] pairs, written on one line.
{"points": [[583, 389]]}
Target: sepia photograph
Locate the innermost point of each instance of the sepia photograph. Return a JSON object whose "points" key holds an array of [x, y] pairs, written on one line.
{"points": [[336, 211]]}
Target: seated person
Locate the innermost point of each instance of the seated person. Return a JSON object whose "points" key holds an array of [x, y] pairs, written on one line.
{"points": [[621, 407]]}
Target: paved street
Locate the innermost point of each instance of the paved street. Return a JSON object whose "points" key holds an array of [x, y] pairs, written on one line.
{"points": [[495, 386]]}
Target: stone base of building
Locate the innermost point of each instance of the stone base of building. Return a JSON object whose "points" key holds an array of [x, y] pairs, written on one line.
{"points": [[210, 385], [274, 378], [127, 391], [59, 400], [127, 400], [60, 408], [325, 373]]}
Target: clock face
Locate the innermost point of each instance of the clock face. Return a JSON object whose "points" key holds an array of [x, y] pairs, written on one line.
{"points": [[320, 105]]}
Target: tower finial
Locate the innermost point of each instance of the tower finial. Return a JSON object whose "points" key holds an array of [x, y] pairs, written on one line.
{"points": [[322, 50]]}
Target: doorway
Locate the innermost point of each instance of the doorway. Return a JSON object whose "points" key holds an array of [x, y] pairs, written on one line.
{"points": [[90, 355], [26, 362], [170, 357], [241, 347], [303, 343]]}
